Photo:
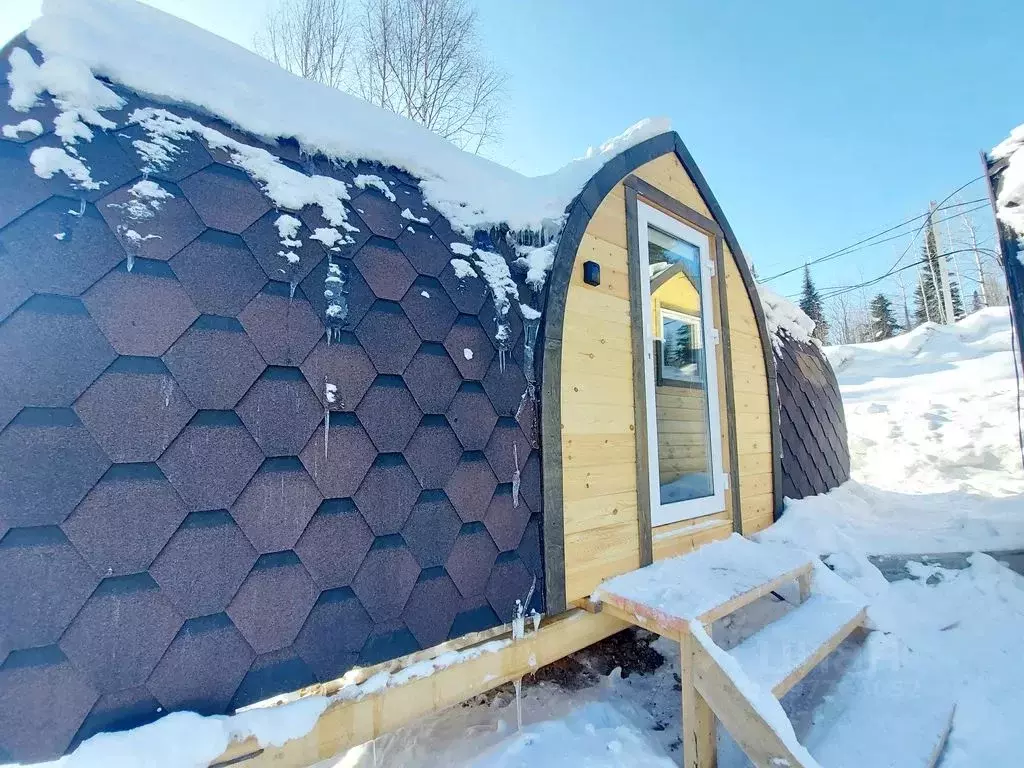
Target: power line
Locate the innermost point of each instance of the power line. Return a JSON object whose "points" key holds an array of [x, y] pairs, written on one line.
{"points": [[901, 234], [927, 223], [840, 290], [867, 241], [892, 271]]}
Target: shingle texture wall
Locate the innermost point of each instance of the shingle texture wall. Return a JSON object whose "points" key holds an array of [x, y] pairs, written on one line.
{"points": [[182, 528], [815, 454]]}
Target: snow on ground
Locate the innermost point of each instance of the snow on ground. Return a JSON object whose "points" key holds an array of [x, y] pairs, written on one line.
{"points": [[932, 425]]}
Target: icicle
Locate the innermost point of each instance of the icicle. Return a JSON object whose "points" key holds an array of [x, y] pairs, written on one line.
{"points": [[335, 290], [330, 396], [374, 753], [291, 290], [518, 685], [501, 359], [526, 397], [131, 259], [516, 476], [530, 326], [536, 620], [327, 430], [167, 389], [518, 621]]}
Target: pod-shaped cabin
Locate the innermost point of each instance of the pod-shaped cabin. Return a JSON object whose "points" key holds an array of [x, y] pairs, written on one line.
{"points": [[293, 393]]}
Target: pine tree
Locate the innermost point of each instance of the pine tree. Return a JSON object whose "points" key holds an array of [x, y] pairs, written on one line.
{"points": [[976, 302], [928, 302], [883, 320], [810, 303]]}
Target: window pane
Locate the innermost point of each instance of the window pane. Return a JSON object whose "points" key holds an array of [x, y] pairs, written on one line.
{"points": [[682, 419]]}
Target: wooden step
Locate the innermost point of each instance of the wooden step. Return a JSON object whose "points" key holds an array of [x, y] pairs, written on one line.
{"points": [[704, 585], [779, 655], [882, 717]]}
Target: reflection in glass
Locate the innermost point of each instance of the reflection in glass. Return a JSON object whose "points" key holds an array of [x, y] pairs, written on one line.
{"points": [[682, 419]]}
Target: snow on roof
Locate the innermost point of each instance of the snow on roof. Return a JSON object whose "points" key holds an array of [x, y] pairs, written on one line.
{"points": [[1010, 202], [780, 314], [165, 58]]}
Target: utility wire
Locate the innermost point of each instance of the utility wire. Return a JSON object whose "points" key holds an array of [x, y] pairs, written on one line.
{"points": [[987, 251], [892, 237], [892, 270], [839, 290], [867, 241]]}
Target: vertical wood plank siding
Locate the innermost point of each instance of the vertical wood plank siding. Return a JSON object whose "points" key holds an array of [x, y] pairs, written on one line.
{"points": [[603, 495]]}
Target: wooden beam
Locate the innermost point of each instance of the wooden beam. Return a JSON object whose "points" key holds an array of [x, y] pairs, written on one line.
{"points": [[349, 722], [362, 674], [588, 605], [669, 625], [798, 674], [805, 581], [700, 743], [744, 723]]}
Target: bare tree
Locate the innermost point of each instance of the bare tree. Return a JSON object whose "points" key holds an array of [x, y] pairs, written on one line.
{"points": [[422, 59], [972, 240], [840, 321], [906, 306], [309, 38]]}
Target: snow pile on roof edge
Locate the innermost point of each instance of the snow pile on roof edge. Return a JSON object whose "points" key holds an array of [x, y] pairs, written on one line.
{"points": [[164, 57], [1010, 202], [781, 314]]}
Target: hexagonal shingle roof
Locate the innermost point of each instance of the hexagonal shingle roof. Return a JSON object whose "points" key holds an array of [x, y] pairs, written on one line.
{"points": [[207, 500]]}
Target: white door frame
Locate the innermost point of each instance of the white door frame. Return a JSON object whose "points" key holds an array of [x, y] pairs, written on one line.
{"points": [[691, 508]]}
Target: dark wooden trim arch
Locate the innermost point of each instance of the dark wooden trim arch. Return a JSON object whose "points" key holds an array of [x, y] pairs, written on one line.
{"points": [[578, 216]]}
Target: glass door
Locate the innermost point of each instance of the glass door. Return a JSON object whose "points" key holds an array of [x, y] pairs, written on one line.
{"points": [[680, 370]]}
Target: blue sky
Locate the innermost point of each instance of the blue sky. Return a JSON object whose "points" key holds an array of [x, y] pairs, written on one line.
{"points": [[815, 123]]}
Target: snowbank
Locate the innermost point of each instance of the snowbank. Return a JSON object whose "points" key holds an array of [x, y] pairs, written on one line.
{"points": [[781, 314], [188, 740], [166, 58], [1010, 202], [932, 423]]}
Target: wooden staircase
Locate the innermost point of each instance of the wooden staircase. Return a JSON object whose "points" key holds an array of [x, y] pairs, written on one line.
{"points": [[681, 597]]}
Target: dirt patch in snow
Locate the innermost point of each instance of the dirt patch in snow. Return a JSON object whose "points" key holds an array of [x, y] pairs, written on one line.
{"points": [[630, 650]]}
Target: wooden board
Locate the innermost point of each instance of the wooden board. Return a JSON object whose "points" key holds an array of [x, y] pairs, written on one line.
{"points": [[743, 722], [680, 538], [346, 724], [598, 420]]}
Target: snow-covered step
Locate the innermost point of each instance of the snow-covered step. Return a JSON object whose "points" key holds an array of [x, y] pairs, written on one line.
{"points": [[882, 717], [779, 655], [703, 585]]}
